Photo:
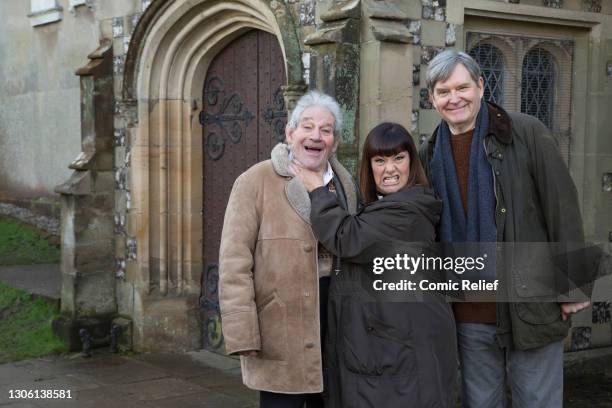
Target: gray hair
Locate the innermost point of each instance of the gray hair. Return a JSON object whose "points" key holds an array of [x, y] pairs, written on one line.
{"points": [[314, 98], [441, 67]]}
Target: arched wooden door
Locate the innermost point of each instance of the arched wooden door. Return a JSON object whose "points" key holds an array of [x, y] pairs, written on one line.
{"points": [[243, 118]]}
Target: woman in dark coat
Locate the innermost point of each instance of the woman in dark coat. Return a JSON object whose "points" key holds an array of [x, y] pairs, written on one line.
{"points": [[381, 352]]}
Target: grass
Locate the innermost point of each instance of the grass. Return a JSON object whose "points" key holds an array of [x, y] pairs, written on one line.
{"points": [[24, 245], [25, 326], [25, 322]]}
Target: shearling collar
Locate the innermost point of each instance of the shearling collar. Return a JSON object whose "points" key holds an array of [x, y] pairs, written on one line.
{"points": [[296, 192]]}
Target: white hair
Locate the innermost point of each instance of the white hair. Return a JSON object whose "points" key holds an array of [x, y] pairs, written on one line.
{"points": [[314, 98]]}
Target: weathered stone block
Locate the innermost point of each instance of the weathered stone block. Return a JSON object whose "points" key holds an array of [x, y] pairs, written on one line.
{"points": [[118, 47], [125, 333], [67, 329], [334, 11], [428, 120], [92, 226], [390, 31], [412, 9], [171, 324], [432, 33], [120, 245], [103, 182], [117, 84], [89, 261], [120, 156], [67, 302], [137, 275], [102, 206], [130, 132], [120, 201], [79, 183], [95, 293], [384, 9], [106, 28], [125, 298], [383, 98], [342, 31]]}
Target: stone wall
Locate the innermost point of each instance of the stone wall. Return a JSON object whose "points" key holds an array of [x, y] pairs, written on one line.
{"points": [[39, 100]]}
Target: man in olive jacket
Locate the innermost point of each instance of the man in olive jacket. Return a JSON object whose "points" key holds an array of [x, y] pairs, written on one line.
{"points": [[273, 276], [501, 179]]}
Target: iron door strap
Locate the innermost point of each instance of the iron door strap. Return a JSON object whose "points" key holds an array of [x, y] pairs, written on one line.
{"points": [[276, 116], [209, 306], [228, 120]]}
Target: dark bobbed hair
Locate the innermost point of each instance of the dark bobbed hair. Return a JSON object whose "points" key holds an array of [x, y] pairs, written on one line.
{"points": [[388, 139]]}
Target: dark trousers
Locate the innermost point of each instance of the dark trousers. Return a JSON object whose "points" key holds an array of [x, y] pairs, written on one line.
{"points": [[275, 400]]}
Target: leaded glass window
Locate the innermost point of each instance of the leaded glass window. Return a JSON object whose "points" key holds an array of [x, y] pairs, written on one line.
{"points": [[491, 62], [528, 74], [538, 85]]}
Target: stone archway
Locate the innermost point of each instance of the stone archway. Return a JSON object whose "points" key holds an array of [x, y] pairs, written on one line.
{"points": [[172, 47]]}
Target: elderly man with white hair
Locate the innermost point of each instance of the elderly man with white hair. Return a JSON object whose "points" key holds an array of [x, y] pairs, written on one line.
{"points": [[274, 275]]}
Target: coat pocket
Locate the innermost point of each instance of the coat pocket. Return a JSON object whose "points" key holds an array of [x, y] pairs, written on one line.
{"points": [[534, 271], [538, 313], [373, 343], [272, 315]]}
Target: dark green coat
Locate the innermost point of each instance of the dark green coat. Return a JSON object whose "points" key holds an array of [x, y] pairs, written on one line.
{"points": [[381, 353], [536, 202]]}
